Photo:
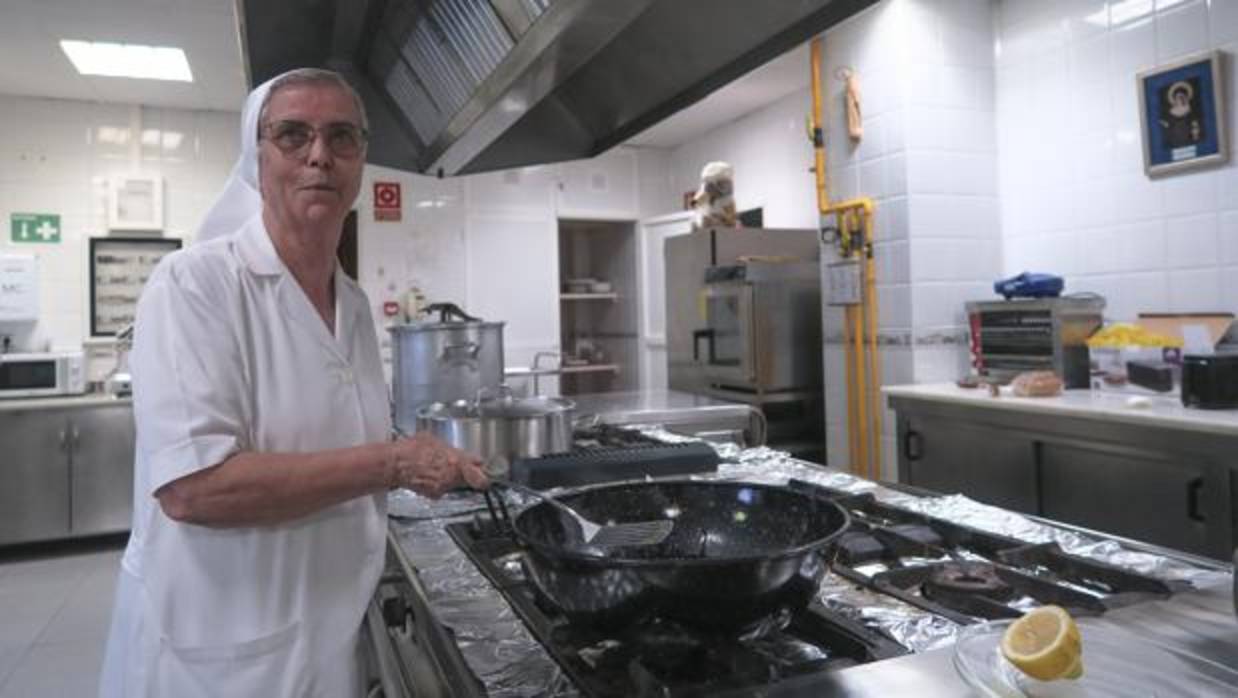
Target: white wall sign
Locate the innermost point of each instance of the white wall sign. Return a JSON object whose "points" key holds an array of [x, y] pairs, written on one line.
{"points": [[19, 288], [135, 202]]}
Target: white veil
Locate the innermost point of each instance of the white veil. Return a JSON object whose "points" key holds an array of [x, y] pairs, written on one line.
{"points": [[240, 200]]}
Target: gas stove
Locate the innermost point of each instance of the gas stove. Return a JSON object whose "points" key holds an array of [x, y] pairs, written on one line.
{"points": [[660, 657], [943, 568]]}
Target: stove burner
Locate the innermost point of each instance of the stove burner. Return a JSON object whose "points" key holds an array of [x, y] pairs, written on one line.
{"points": [[953, 580]]}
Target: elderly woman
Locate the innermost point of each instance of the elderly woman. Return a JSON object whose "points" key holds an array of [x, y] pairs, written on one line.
{"points": [[262, 419]]}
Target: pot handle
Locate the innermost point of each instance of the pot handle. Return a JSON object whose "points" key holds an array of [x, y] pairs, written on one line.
{"points": [[503, 393], [453, 352], [447, 310]]}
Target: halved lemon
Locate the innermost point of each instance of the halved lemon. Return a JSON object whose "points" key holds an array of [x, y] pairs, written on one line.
{"points": [[1045, 644]]}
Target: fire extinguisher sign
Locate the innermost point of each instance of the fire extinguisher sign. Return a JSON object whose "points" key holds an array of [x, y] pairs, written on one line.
{"points": [[386, 201]]}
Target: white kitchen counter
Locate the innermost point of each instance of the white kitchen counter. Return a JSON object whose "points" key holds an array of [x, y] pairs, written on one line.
{"points": [[43, 403], [1085, 404]]}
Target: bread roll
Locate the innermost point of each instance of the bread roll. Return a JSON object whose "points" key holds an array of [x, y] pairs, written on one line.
{"points": [[1037, 384]]}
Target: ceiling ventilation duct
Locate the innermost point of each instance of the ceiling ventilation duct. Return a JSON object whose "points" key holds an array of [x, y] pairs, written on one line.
{"points": [[458, 86]]}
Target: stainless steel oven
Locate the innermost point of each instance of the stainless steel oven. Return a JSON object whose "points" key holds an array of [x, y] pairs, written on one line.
{"points": [[727, 336], [761, 326], [743, 324]]}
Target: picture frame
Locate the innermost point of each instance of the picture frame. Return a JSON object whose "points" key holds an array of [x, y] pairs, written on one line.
{"points": [[135, 202], [119, 268], [1182, 114]]}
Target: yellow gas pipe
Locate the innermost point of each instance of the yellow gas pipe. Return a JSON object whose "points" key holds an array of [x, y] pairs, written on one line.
{"points": [[854, 223]]}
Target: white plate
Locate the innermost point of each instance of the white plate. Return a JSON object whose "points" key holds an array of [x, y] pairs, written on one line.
{"points": [[1115, 663]]}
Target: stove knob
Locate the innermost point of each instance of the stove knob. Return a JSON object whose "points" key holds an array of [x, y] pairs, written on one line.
{"points": [[395, 611]]}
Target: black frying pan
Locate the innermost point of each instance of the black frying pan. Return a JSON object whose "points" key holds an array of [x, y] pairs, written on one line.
{"points": [[738, 553]]}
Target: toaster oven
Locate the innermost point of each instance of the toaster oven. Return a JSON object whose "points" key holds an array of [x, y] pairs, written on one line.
{"points": [[1007, 338]]}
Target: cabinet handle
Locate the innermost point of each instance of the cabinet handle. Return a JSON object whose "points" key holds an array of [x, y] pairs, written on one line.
{"points": [[74, 437], [1193, 488], [62, 439], [913, 446], [697, 336]]}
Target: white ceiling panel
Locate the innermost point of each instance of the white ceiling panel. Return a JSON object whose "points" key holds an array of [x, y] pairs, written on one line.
{"points": [[34, 65]]}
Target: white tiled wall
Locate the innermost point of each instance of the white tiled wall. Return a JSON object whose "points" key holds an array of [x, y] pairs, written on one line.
{"points": [[928, 159], [771, 154], [489, 242], [1074, 197], [56, 157]]}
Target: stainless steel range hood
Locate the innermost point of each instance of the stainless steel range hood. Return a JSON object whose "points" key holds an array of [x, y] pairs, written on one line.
{"points": [[459, 86]]}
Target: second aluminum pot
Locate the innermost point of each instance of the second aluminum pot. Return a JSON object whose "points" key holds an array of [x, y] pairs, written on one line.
{"points": [[498, 431]]}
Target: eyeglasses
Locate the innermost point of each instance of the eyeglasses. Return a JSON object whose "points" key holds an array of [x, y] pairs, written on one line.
{"points": [[293, 138]]}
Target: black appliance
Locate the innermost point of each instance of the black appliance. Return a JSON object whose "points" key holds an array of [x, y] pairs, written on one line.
{"points": [[1210, 382], [605, 453]]}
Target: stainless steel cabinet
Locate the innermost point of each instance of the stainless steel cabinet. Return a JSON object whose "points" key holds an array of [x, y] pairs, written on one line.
{"points": [[1159, 497], [66, 471], [34, 476], [1160, 485], [101, 440], [948, 456]]}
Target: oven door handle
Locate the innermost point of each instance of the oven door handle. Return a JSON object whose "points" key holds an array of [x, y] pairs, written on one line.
{"points": [[697, 336]]}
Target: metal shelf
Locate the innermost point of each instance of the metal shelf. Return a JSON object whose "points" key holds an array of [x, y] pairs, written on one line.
{"points": [[588, 296]]}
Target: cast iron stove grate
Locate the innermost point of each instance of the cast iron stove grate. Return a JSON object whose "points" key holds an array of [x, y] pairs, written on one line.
{"points": [[966, 574], [663, 658]]}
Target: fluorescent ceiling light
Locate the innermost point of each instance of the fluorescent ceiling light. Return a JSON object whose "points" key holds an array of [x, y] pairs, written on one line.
{"points": [[128, 60]]}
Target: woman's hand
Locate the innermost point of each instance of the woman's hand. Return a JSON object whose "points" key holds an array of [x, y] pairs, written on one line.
{"points": [[428, 466]]}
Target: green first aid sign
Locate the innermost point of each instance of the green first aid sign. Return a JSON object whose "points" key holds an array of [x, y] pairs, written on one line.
{"points": [[35, 227]]}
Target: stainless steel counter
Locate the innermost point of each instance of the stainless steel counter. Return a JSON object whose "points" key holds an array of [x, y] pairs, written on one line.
{"points": [[1201, 623], [656, 407], [42, 403], [1154, 412]]}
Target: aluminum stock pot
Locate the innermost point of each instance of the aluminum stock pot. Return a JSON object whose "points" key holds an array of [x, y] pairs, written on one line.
{"points": [[498, 430], [444, 361]]}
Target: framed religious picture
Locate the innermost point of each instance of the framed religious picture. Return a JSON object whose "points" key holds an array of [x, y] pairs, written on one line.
{"points": [[1182, 109]]}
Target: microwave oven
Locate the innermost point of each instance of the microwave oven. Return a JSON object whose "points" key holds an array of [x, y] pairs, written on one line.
{"points": [[42, 374]]}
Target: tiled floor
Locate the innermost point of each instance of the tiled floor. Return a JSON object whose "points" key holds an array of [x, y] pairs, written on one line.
{"points": [[55, 608]]}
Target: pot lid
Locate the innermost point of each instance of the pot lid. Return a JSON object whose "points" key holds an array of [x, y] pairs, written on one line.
{"points": [[517, 407], [503, 407]]}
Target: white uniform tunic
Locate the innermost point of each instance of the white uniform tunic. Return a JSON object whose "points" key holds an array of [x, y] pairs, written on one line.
{"points": [[230, 356]]}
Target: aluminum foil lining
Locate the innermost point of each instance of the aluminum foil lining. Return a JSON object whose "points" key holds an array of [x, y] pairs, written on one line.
{"points": [[969, 512], [913, 628], [511, 662], [497, 646]]}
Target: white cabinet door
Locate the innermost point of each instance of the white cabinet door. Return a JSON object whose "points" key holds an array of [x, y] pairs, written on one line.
{"points": [[601, 188], [653, 234], [513, 277]]}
